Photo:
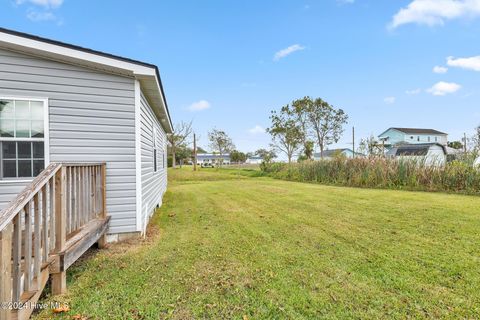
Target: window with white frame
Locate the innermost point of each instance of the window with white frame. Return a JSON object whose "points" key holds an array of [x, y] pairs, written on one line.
{"points": [[22, 138], [155, 160]]}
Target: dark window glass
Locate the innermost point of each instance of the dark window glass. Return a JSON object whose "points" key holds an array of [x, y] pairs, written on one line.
{"points": [[9, 150], [24, 168], [38, 150], [9, 168], [38, 166], [154, 160], [24, 150]]}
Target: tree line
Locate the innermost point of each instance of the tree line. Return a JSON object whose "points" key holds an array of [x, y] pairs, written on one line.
{"points": [[180, 146], [295, 128]]}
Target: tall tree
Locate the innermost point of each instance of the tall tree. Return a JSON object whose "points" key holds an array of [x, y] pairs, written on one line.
{"points": [[299, 109], [287, 136], [326, 122], [238, 156], [181, 133], [308, 149], [220, 142], [266, 155], [183, 153]]}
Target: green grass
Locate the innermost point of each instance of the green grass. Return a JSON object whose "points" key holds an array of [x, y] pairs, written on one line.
{"points": [[228, 244]]}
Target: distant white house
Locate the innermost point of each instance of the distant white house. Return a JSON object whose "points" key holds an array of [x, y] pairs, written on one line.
{"points": [[396, 136], [330, 154], [254, 160], [430, 154], [212, 160]]}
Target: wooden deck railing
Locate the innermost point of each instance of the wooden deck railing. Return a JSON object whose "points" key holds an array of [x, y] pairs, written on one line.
{"points": [[50, 224]]}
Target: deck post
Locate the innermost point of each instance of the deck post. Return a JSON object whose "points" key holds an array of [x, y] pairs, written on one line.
{"points": [[59, 280], [6, 271], [102, 242]]}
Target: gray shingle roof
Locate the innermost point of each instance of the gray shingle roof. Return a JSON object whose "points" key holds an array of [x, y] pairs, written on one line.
{"points": [[418, 131]]}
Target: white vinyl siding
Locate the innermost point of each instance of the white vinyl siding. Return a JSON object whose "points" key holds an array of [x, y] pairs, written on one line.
{"points": [[154, 183], [92, 119]]}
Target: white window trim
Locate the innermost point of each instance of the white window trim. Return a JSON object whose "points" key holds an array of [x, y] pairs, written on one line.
{"points": [[46, 134]]}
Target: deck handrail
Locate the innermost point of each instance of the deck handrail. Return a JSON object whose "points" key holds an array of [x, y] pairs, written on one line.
{"points": [[17, 204], [45, 229]]}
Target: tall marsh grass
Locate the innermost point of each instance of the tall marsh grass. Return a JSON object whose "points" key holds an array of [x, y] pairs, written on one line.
{"points": [[455, 176]]}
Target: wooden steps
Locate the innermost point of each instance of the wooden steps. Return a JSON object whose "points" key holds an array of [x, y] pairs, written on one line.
{"points": [[50, 224]]}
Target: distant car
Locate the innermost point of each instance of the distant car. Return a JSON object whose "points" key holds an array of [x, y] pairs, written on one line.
{"points": [[207, 165]]}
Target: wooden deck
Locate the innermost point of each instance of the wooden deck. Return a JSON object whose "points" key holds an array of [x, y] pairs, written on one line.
{"points": [[50, 224]]}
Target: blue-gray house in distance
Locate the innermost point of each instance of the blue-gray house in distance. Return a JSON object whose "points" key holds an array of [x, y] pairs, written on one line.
{"points": [[329, 154], [65, 103]]}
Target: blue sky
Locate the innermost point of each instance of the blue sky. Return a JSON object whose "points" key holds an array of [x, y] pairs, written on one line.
{"points": [[226, 64]]}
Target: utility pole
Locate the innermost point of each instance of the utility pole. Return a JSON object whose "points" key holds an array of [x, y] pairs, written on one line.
{"points": [[194, 152], [353, 140]]}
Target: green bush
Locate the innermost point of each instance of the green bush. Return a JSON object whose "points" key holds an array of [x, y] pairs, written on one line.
{"points": [[457, 176]]}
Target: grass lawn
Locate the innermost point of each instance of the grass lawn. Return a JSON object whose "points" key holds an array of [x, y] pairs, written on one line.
{"points": [[229, 244]]}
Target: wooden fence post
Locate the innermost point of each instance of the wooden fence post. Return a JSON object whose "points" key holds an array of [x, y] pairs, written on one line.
{"points": [[6, 271], [59, 280], [102, 242]]}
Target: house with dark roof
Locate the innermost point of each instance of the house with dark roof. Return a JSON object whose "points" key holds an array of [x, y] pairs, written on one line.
{"points": [[430, 154], [397, 136]]}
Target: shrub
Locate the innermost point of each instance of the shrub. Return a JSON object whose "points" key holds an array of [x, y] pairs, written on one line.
{"points": [[378, 172]]}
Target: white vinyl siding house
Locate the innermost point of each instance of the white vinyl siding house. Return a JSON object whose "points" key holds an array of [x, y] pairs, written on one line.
{"points": [[95, 108], [154, 180], [396, 136]]}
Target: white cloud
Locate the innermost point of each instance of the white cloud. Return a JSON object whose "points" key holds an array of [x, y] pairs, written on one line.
{"points": [[257, 130], [287, 51], [389, 100], [199, 105], [438, 69], [43, 3], [42, 10], [40, 16], [472, 63], [435, 12], [443, 88], [413, 92]]}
